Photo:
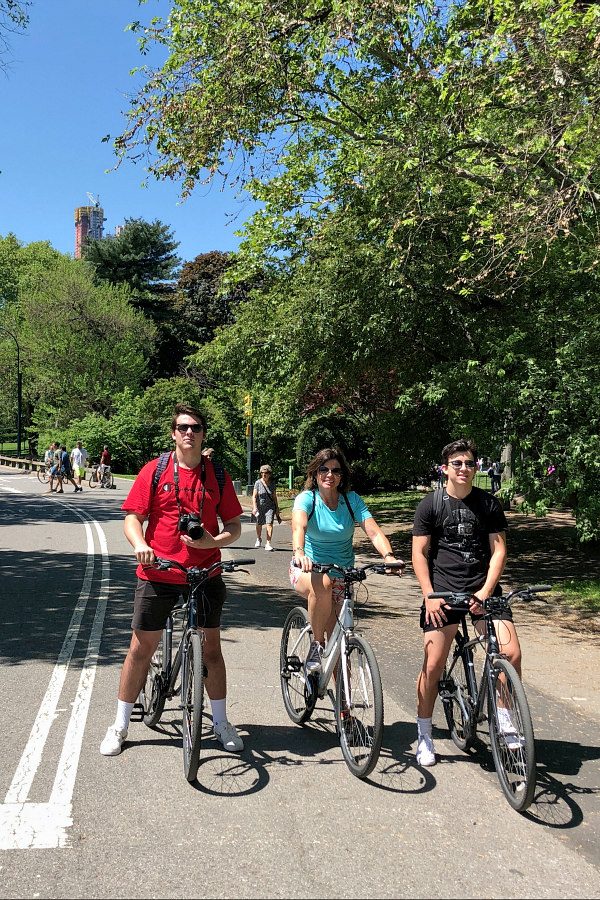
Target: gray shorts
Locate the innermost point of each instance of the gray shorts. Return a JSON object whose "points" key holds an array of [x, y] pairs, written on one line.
{"points": [[153, 602], [265, 516]]}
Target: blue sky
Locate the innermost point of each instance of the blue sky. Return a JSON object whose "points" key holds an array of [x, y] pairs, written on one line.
{"points": [[65, 87]]}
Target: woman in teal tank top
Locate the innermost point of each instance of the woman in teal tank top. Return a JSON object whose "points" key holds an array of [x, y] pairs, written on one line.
{"points": [[323, 521]]}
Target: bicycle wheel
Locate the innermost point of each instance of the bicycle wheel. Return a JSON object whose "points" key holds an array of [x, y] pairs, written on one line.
{"points": [[456, 699], [152, 697], [43, 476], [192, 690], [108, 481], [359, 711], [92, 481], [299, 694], [511, 735]]}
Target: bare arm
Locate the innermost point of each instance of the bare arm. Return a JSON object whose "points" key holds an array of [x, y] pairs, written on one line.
{"points": [[434, 609], [299, 525], [133, 528], [496, 566], [380, 542]]}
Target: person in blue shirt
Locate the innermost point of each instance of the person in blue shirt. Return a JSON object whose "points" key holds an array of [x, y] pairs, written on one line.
{"points": [[323, 520]]}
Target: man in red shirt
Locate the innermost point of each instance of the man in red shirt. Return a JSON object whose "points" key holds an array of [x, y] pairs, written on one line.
{"points": [[195, 489]]}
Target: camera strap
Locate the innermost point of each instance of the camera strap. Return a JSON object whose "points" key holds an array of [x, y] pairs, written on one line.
{"points": [[176, 485]]}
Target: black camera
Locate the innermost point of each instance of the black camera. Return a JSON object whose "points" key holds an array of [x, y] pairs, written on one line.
{"points": [[189, 523]]}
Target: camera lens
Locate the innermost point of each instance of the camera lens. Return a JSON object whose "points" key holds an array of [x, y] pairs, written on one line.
{"points": [[195, 530]]}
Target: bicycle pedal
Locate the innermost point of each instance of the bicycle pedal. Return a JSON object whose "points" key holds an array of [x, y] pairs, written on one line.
{"points": [[137, 713]]}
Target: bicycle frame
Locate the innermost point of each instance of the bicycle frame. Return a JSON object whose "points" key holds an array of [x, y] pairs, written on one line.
{"points": [[336, 642]]}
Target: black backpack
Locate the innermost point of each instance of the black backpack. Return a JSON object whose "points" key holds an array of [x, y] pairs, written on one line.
{"points": [[314, 500], [163, 462]]}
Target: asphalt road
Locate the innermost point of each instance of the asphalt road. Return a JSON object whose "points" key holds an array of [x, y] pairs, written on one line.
{"points": [[283, 819]]}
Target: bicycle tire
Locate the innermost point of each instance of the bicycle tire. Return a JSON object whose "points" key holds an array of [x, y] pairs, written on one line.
{"points": [[459, 725], [299, 695], [109, 480], [92, 482], [43, 476], [192, 691], [515, 765], [152, 695], [359, 717]]}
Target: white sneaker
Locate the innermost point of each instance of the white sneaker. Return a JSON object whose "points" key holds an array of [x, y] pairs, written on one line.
{"points": [[227, 734], [257, 542], [113, 742], [425, 751], [268, 546]]}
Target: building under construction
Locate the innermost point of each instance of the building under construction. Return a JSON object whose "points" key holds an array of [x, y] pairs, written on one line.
{"points": [[89, 223]]}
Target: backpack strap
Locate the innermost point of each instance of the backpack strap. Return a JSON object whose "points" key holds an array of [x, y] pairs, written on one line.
{"points": [[439, 508], [161, 464], [314, 500], [163, 461]]}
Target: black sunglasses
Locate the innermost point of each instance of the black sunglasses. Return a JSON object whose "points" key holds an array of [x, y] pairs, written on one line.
{"points": [[325, 470], [183, 428], [459, 463]]}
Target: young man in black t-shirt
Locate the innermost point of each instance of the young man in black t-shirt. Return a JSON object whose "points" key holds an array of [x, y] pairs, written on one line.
{"points": [[461, 548]]}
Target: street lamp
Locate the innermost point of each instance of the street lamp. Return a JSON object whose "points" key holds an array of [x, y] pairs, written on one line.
{"points": [[19, 386]]}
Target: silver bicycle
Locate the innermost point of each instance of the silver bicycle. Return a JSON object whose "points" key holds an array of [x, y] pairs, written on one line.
{"points": [[347, 656]]}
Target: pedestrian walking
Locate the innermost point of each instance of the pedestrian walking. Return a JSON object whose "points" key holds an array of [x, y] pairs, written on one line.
{"points": [[265, 506]]}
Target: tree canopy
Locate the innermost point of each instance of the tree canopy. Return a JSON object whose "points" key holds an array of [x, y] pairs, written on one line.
{"points": [[428, 181]]}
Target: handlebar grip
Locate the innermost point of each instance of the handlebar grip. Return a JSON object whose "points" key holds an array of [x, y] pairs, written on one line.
{"points": [[539, 588], [243, 562]]}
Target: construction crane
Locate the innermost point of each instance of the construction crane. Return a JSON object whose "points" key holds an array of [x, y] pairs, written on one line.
{"points": [[94, 200]]}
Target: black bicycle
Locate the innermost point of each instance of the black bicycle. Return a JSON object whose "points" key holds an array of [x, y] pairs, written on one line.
{"points": [[162, 678], [499, 697], [358, 697]]}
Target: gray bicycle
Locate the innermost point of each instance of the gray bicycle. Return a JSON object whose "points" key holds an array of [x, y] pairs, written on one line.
{"points": [[358, 697]]}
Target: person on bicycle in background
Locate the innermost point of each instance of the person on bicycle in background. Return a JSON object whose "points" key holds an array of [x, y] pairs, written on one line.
{"points": [[187, 485], [105, 461], [323, 520], [459, 547]]}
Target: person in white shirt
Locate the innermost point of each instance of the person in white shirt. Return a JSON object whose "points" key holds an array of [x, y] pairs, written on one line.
{"points": [[79, 457]]}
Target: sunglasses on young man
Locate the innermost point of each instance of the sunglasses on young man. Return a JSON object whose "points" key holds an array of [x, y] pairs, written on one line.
{"points": [[459, 463], [182, 429]]}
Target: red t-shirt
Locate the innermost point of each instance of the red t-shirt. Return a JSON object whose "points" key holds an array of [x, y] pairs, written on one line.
{"points": [[105, 458], [160, 508]]}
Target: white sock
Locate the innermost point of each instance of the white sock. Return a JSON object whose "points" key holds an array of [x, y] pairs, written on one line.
{"points": [[423, 726], [123, 715], [219, 710]]}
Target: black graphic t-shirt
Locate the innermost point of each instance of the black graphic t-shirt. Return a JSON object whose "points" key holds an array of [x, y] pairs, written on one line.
{"points": [[459, 555]]}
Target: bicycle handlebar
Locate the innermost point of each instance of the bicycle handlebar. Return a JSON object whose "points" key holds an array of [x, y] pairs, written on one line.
{"points": [[228, 565], [354, 573], [462, 600]]}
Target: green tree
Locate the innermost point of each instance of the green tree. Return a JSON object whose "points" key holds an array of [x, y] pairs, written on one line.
{"points": [[428, 176], [142, 256], [206, 302], [14, 18]]}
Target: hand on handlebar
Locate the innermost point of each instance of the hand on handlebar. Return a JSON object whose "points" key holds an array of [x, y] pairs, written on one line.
{"points": [[476, 607], [396, 566], [434, 612], [144, 554]]}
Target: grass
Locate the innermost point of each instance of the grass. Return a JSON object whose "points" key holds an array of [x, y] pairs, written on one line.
{"points": [[580, 593]]}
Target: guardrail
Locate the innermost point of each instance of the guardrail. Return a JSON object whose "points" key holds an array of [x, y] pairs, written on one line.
{"points": [[31, 465]]}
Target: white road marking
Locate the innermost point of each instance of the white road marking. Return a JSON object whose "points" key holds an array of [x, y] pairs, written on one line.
{"points": [[26, 825]]}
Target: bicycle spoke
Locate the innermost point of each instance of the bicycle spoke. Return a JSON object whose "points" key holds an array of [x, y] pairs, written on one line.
{"points": [[359, 708]]}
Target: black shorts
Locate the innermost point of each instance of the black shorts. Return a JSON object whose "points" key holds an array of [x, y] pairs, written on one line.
{"points": [[453, 617], [154, 600]]}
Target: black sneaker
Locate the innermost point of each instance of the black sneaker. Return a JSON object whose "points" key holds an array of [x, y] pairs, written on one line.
{"points": [[312, 664]]}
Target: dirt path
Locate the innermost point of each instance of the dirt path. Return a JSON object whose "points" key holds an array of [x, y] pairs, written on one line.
{"points": [[561, 646]]}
